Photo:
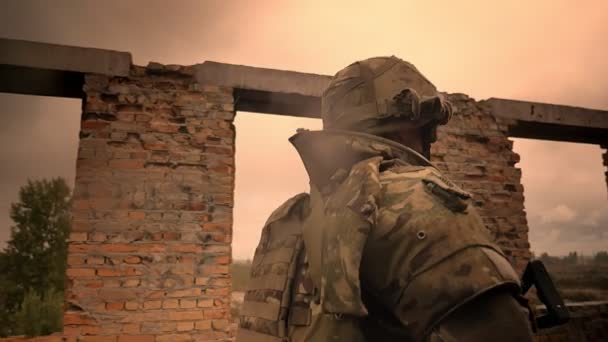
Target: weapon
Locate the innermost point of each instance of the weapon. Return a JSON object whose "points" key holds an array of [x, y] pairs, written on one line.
{"points": [[536, 275]]}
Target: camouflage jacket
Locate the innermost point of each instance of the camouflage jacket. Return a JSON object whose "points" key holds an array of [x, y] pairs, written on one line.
{"points": [[389, 237], [383, 248]]}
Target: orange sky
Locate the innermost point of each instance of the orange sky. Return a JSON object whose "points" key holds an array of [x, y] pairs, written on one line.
{"points": [[548, 51]]}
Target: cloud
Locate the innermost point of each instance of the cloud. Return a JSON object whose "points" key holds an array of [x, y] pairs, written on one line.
{"points": [[559, 214], [593, 219]]}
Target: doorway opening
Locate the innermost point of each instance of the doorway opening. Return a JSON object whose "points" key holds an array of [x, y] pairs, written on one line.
{"points": [[268, 172], [567, 211], [39, 139]]}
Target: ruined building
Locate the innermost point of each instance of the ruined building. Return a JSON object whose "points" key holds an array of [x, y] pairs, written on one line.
{"points": [[150, 246]]}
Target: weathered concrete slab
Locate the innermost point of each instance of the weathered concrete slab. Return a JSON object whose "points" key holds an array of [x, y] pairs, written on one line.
{"points": [[267, 90], [34, 68], [536, 120], [36, 55], [269, 80], [549, 113]]}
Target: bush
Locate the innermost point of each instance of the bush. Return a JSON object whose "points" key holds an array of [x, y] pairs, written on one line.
{"points": [[240, 275], [40, 315]]}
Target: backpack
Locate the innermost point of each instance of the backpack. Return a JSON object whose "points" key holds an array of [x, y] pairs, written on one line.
{"points": [[277, 300]]}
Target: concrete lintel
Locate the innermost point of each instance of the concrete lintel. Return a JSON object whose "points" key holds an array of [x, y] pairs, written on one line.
{"points": [[22, 53], [546, 113], [267, 90], [545, 121]]}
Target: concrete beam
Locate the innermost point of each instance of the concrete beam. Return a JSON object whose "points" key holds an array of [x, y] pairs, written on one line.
{"points": [[54, 70], [536, 120], [36, 55], [267, 90], [57, 70]]}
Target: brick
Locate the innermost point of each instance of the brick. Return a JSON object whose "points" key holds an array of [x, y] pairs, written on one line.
{"points": [[90, 330], [98, 237], [208, 270], [205, 303], [78, 236], [75, 260], [188, 260], [132, 260], [131, 305], [94, 125], [187, 303], [136, 338], [137, 215], [96, 260], [128, 164], [109, 272], [170, 304], [221, 282], [185, 315], [94, 284], [215, 314], [222, 260], [80, 272], [192, 292], [117, 248], [70, 331], [185, 248], [221, 291], [202, 325], [152, 304], [171, 236], [131, 328], [117, 294], [215, 226], [185, 326], [201, 280], [211, 336], [113, 306], [131, 283], [98, 339], [220, 324], [174, 338], [77, 319]]}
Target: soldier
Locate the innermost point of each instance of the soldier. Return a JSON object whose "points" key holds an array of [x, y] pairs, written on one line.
{"points": [[384, 248]]}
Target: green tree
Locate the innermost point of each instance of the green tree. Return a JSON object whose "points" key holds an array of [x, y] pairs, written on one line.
{"points": [[547, 259], [40, 314], [35, 256], [601, 257], [571, 259]]}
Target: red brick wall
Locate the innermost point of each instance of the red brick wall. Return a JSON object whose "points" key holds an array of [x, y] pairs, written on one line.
{"points": [[475, 152], [152, 212]]}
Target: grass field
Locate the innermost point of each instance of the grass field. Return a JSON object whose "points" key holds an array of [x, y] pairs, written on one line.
{"points": [[579, 282]]}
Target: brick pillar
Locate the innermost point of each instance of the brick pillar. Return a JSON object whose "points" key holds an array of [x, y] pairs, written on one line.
{"points": [[150, 246], [474, 150]]}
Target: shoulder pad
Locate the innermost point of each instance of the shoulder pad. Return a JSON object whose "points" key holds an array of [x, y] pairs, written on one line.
{"points": [[435, 183], [284, 209]]}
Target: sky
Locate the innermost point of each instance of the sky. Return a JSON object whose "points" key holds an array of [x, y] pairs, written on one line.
{"points": [[553, 51]]}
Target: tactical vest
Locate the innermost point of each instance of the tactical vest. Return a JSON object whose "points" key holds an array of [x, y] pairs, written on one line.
{"points": [[276, 303]]}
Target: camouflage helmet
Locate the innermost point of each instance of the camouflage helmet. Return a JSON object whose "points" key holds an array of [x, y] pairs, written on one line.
{"points": [[379, 94]]}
